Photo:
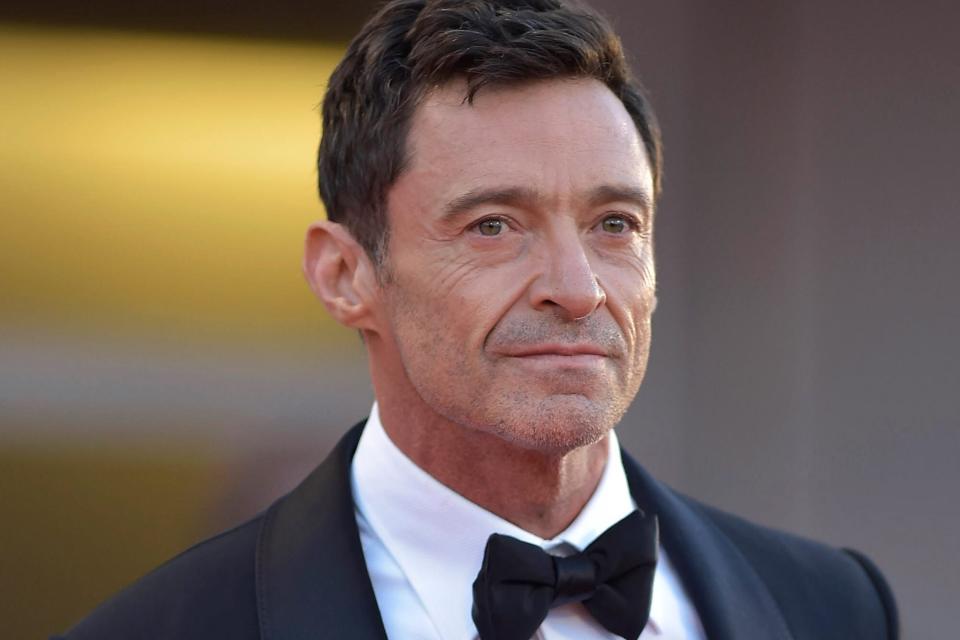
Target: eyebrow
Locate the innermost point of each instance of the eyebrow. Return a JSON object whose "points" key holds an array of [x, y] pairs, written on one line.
{"points": [[497, 195], [622, 193], [525, 196]]}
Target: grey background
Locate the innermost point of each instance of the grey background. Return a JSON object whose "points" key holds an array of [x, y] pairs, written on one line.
{"points": [[805, 355]]}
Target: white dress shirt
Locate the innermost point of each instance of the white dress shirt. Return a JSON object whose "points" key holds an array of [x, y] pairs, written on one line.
{"points": [[423, 544]]}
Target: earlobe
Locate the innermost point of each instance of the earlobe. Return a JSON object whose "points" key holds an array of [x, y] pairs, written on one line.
{"points": [[339, 273]]}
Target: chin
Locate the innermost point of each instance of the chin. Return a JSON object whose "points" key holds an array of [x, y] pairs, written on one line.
{"points": [[558, 424]]}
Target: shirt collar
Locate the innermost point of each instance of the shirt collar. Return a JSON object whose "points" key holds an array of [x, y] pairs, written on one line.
{"points": [[437, 536]]}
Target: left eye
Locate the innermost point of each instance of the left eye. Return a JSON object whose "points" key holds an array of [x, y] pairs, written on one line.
{"points": [[615, 224]]}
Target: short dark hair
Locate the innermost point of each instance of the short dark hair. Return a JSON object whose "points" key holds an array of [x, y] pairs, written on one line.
{"points": [[409, 46]]}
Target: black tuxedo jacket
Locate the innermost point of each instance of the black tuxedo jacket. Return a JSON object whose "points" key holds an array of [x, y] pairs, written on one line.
{"points": [[297, 572]]}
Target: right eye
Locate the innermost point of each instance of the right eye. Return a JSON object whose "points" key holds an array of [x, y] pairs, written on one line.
{"points": [[490, 227]]}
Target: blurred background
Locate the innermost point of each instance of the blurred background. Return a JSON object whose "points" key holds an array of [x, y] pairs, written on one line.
{"points": [[165, 372]]}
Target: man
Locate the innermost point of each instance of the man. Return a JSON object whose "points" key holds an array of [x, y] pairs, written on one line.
{"points": [[490, 171]]}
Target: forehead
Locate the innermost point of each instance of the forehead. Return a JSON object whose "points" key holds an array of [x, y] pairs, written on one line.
{"points": [[560, 137]]}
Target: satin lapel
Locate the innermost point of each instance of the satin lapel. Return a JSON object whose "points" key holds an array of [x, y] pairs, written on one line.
{"points": [[312, 580], [732, 601]]}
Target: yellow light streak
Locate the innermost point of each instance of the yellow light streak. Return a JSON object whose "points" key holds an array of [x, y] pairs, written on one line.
{"points": [[158, 183]]}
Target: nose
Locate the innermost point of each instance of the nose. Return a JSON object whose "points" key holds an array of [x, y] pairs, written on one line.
{"points": [[566, 281]]}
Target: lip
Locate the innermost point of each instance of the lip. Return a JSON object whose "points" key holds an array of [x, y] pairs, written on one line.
{"points": [[578, 351]]}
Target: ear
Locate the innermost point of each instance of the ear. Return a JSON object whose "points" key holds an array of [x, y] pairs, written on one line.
{"points": [[341, 274]]}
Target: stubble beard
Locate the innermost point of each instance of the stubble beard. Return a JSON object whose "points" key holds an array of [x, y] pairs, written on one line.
{"points": [[549, 423]]}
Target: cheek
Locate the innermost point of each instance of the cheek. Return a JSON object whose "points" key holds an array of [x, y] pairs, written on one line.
{"points": [[435, 324], [631, 290], [465, 297]]}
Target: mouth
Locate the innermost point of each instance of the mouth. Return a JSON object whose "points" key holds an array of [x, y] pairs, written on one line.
{"points": [[555, 349], [558, 355]]}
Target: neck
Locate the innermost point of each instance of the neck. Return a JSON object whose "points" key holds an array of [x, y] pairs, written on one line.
{"points": [[540, 492]]}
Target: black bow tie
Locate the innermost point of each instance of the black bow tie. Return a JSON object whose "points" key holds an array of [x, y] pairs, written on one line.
{"points": [[613, 577]]}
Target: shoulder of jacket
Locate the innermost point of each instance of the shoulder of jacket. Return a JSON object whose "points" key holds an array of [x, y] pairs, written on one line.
{"points": [[817, 586], [205, 591]]}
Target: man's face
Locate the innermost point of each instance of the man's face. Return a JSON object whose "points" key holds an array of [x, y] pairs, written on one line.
{"points": [[519, 278]]}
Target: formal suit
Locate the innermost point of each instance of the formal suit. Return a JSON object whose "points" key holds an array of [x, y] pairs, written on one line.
{"points": [[297, 572]]}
